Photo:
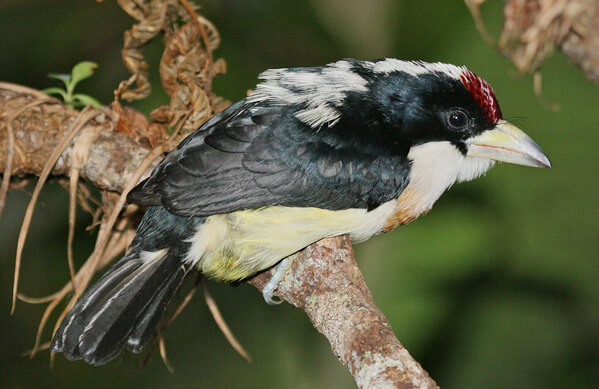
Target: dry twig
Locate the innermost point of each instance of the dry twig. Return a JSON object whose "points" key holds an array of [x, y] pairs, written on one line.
{"points": [[83, 118], [220, 322], [532, 28]]}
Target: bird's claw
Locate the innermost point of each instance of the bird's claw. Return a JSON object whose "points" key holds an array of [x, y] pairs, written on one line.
{"points": [[272, 285]]}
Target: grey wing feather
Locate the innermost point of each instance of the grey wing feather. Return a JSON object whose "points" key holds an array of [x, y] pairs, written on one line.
{"points": [[254, 155]]}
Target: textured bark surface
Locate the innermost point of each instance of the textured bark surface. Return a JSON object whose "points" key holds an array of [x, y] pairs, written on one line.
{"points": [[113, 156], [326, 283]]}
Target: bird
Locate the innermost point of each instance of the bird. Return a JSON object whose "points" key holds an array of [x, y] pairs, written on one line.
{"points": [[352, 147]]}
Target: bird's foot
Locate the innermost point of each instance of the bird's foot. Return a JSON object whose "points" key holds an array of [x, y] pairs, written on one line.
{"points": [[272, 285]]}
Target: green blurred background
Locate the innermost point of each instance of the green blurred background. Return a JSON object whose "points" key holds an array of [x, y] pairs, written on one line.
{"points": [[496, 288]]}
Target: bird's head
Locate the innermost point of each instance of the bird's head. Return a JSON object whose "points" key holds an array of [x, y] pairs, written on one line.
{"points": [[435, 103]]}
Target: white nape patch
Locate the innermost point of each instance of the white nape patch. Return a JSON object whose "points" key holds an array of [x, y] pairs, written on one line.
{"points": [[318, 116], [320, 90], [436, 166], [206, 238], [416, 68], [152, 256]]}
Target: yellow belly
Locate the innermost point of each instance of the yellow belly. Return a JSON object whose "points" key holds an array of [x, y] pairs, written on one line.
{"points": [[237, 245]]}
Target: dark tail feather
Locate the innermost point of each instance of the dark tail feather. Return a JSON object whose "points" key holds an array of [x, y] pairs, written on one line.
{"points": [[122, 309], [65, 340], [144, 330]]}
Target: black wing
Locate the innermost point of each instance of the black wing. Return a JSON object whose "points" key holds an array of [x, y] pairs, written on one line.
{"points": [[254, 155]]}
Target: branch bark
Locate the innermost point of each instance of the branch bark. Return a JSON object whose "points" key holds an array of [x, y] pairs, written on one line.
{"points": [[113, 156], [325, 281]]}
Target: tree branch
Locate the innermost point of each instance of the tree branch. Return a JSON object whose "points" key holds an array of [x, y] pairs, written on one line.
{"points": [[113, 156], [326, 283]]}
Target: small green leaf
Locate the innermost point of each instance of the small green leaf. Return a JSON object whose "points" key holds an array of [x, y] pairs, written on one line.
{"points": [[85, 100], [56, 91], [81, 71], [65, 78]]}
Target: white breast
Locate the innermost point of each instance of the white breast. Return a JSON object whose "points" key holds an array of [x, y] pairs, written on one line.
{"points": [[436, 166]]}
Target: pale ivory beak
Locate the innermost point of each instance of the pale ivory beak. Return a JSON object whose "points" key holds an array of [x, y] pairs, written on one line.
{"points": [[507, 143]]}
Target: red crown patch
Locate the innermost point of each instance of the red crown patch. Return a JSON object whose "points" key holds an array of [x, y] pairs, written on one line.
{"points": [[483, 94]]}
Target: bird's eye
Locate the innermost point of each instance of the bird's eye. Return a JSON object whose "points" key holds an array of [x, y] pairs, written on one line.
{"points": [[457, 119]]}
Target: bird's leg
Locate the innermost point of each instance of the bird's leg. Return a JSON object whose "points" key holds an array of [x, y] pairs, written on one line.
{"points": [[279, 273]]}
